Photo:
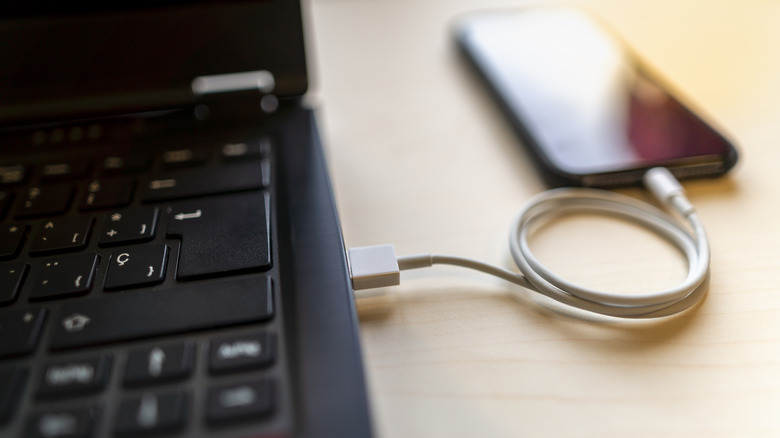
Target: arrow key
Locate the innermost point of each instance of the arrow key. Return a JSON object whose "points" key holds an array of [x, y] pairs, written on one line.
{"points": [[161, 363], [137, 266], [240, 401], [152, 414], [64, 423]]}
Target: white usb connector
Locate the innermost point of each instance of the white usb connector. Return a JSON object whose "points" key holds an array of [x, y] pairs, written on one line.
{"points": [[373, 266]]}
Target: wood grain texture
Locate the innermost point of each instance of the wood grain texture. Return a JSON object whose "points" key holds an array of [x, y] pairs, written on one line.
{"points": [[420, 157]]}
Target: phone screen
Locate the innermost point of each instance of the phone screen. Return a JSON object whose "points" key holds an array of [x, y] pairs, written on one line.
{"points": [[587, 106]]}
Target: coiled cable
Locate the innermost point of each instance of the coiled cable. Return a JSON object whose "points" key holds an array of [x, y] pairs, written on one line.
{"points": [[557, 202]]}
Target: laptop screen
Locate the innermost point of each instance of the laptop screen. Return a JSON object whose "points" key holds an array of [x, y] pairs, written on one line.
{"points": [[67, 59]]}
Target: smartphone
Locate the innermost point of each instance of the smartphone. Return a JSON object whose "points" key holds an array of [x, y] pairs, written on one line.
{"points": [[590, 112]]}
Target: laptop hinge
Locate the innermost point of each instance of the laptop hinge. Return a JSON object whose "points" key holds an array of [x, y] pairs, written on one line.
{"points": [[233, 93]]}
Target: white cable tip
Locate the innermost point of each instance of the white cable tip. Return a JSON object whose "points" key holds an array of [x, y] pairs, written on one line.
{"points": [[667, 189], [373, 266]]}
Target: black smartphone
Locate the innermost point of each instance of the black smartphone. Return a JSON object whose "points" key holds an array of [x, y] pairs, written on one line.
{"points": [[590, 112]]}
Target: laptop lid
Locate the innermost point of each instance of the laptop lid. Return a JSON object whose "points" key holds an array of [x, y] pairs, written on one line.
{"points": [[63, 60]]}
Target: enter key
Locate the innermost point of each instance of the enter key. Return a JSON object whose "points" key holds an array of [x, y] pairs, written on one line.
{"points": [[221, 235]]}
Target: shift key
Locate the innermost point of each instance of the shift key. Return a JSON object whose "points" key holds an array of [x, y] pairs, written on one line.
{"points": [[191, 307]]}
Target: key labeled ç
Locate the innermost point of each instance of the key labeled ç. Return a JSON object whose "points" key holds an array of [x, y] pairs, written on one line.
{"points": [[136, 267]]}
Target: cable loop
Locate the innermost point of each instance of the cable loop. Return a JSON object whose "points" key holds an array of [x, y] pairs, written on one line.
{"points": [[557, 202]]}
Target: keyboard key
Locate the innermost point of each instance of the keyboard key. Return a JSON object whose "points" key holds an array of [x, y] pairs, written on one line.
{"points": [[222, 235], [245, 150], [184, 157], [202, 181], [130, 226], [5, 200], [107, 193], [244, 352], [12, 174], [11, 239], [44, 201], [161, 363], [20, 330], [64, 171], [62, 235], [190, 307], [152, 413], [11, 278], [75, 377], [241, 401], [137, 266], [65, 276], [75, 322], [71, 423], [12, 381], [124, 165]]}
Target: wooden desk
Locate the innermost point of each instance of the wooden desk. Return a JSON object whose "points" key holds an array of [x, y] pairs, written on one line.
{"points": [[421, 158]]}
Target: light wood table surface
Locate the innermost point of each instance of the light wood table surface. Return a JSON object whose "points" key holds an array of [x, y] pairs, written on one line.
{"points": [[421, 157]]}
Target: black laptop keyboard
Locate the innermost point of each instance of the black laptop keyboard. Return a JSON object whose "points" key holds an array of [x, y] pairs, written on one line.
{"points": [[138, 291]]}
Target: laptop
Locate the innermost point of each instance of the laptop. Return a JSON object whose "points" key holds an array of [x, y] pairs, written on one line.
{"points": [[171, 261]]}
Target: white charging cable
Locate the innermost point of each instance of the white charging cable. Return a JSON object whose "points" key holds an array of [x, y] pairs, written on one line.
{"points": [[377, 266]]}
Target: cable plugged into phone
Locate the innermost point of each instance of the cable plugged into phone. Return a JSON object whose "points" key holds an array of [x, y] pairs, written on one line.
{"points": [[378, 266]]}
